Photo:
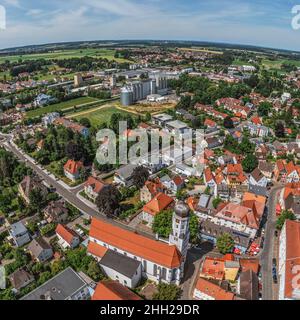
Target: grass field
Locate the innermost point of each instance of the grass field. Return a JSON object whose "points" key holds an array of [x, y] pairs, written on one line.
{"points": [[97, 117], [65, 54], [59, 106], [269, 64]]}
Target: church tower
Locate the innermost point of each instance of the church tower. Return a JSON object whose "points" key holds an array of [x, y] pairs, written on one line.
{"points": [[180, 235]]}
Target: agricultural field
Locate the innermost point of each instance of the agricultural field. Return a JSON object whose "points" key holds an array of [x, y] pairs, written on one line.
{"points": [[204, 50], [60, 106], [276, 64], [65, 54], [99, 115]]}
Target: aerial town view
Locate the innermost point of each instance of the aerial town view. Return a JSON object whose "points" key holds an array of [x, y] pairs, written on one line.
{"points": [[149, 169]]}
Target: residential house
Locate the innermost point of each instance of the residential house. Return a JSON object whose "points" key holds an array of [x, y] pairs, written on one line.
{"points": [[57, 212], [67, 285], [206, 290], [67, 238], [248, 285], [211, 231], [72, 169], [93, 187], [42, 100], [257, 178], [19, 234], [150, 190], [239, 217], [40, 250], [235, 175], [74, 126], [49, 118], [28, 184], [213, 142], [267, 169], [124, 175], [113, 290], [286, 172], [158, 204], [20, 279], [172, 184], [289, 198]]}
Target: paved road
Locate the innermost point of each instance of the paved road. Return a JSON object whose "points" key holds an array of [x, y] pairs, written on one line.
{"points": [[268, 250], [68, 194]]}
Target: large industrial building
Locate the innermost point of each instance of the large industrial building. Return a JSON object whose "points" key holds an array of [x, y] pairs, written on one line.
{"points": [[139, 90]]}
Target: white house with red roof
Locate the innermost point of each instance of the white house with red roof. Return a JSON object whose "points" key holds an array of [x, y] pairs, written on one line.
{"points": [[72, 169], [206, 290], [158, 204], [93, 187], [67, 238]]}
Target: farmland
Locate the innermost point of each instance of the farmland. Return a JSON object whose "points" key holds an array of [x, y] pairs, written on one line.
{"points": [[65, 54]]}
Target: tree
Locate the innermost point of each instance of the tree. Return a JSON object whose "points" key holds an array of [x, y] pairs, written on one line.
{"points": [[162, 224], [246, 146], [194, 229], [85, 122], [279, 130], [74, 151], [36, 199], [216, 202], [285, 215], [167, 292], [249, 163], [140, 176], [108, 200], [225, 243], [264, 108], [228, 123]]}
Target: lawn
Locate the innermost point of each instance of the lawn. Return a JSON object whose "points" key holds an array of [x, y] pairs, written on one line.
{"points": [[99, 116], [65, 54], [60, 106]]}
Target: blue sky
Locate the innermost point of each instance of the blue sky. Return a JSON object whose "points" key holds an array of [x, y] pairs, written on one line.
{"points": [[257, 22]]}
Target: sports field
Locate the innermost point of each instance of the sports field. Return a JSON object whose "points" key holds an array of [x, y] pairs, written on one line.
{"points": [[65, 54], [60, 106]]}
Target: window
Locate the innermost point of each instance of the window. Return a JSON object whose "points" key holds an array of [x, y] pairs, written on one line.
{"points": [[125, 282], [145, 265], [155, 270]]}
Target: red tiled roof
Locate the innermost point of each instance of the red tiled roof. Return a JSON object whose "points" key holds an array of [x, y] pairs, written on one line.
{"points": [[73, 166], [66, 233], [159, 203], [249, 264], [292, 258], [213, 268], [213, 290], [95, 184], [96, 250], [155, 251], [113, 290]]}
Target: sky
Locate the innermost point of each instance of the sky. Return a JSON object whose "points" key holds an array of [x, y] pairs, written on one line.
{"points": [[255, 22]]}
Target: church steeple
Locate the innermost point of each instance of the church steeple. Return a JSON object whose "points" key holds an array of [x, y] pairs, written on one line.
{"points": [[180, 228]]}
